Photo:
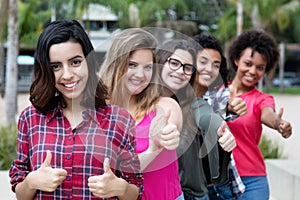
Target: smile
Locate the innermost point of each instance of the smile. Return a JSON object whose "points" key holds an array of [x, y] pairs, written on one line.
{"points": [[70, 85]]}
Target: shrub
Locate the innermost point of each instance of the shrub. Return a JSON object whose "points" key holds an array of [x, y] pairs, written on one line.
{"points": [[269, 149], [8, 138]]}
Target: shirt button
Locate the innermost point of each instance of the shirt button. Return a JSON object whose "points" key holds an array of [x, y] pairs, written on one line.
{"points": [[68, 157], [70, 137], [68, 178]]}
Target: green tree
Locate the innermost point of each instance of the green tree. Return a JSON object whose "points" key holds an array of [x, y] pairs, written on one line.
{"points": [[274, 16]]}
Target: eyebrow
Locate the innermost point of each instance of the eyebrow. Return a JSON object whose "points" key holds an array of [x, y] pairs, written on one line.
{"points": [[77, 56]]}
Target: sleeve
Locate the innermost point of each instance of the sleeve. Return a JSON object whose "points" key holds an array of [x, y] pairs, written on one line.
{"points": [[128, 161], [20, 167], [266, 100]]}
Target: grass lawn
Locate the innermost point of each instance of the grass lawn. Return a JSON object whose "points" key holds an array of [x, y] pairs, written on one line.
{"points": [[276, 90]]}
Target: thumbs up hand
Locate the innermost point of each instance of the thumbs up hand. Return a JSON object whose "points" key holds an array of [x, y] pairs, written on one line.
{"points": [[226, 139], [162, 132], [46, 178], [284, 127], [237, 105], [169, 134], [108, 184]]}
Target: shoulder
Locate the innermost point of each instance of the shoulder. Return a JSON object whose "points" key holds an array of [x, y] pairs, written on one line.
{"points": [[260, 96], [167, 102], [30, 111]]}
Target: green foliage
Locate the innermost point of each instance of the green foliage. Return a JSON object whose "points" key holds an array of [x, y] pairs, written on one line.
{"points": [[278, 17], [8, 139], [269, 149]]}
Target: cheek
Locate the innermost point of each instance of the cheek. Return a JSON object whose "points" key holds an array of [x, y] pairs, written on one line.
{"points": [[149, 75], [164, 74]]}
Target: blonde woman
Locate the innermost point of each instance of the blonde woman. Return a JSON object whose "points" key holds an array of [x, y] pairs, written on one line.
{"points": [[131, 76]]}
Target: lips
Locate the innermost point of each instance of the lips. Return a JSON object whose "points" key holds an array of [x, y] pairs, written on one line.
{"points": [[177, 78], [249, 78], [136, 82]]}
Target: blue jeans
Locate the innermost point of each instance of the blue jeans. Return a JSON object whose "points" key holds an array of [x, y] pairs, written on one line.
{"points": [[197, 198], [257, 188], [220, 192]]}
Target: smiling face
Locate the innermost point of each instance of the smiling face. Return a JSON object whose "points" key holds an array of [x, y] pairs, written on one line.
{"points": [[208, 66], [251, 68], [70, 69], [140, 70], [177, 79]]}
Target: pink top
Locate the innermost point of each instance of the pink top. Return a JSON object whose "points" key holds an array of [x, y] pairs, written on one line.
{"points": [[161, 179], [247, 131]]}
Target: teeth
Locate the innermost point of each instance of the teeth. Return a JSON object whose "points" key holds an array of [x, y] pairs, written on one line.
{"points": [[136, 82], [70, 85]]}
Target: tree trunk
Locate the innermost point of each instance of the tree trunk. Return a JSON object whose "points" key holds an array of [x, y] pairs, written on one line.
{"points": [[11, 65]]}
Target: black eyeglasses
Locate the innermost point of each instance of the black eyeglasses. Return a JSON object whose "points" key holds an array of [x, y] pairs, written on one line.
{"points": [[175, 64]]}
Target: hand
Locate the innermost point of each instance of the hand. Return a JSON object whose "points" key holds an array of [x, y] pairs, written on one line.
{"points": [[237, 105], [226, 138], [46, 178], [166, 133], [107, 185], [283, 126]]}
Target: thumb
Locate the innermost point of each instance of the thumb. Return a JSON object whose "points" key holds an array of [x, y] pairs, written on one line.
{"points": [[280, 114], [47, 161], [231, 95], [222, 129], [167, 115], [106, 165]]}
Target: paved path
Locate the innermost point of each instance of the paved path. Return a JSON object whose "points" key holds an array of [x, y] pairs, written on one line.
{"points": [[290, 147]]}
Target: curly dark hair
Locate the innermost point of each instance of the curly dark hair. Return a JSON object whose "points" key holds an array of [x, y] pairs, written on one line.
{"points": [[210, 42], [259, 41]]}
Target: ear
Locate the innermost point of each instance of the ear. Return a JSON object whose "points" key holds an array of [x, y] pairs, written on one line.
{"points": [[236, 61]]}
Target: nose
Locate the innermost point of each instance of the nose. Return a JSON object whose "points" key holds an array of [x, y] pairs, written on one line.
{"points": [[252, 69], [139, 71], [180, 70], [67, 72]]}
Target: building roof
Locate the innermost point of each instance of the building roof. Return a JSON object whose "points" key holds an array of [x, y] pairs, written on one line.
{"points": [[97, 12]]}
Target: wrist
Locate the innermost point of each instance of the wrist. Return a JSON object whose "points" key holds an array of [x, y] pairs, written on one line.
{"points": [[123, 185]]}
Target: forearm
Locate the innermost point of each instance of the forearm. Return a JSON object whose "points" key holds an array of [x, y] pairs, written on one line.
{"points": [[24, 191], [147, 157], [269, 118], [131, 192]]}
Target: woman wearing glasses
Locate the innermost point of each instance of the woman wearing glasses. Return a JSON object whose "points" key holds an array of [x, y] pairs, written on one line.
{"points": [[177, 59]]}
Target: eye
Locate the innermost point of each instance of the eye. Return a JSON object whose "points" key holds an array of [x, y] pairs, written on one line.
{"points": [[76, 62], [148, 67], [174, 63], [188, 68], [203, 61], [261, 68], [132, 65], [216, 65], [55, 67], [248, 64]]}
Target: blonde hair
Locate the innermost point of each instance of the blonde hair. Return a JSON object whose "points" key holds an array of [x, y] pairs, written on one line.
{"points": [[116, 63]]}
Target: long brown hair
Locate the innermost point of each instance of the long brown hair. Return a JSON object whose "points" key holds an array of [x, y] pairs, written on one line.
{"points": [[116, 63]]}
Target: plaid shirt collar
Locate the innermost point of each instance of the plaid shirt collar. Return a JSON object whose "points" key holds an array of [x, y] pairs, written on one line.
{"points": [[89, 114]]}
